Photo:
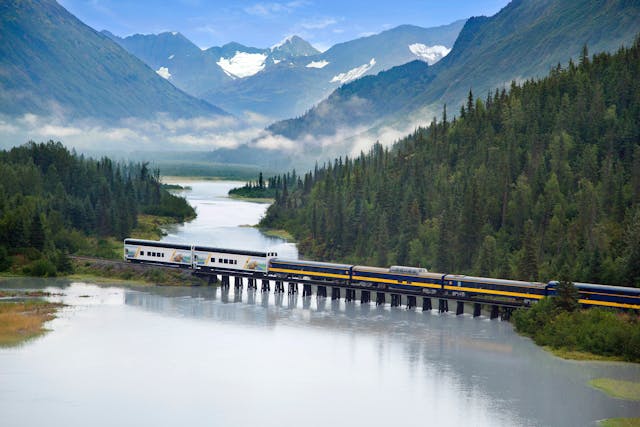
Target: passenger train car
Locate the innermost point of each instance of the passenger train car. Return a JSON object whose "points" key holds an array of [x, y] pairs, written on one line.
{"points": [[206, 258], [148, 251], [397, 277], [458, 285], [406, 279]]}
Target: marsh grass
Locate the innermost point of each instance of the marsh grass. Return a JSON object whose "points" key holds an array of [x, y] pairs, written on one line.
{"points": [[620, 422], [620, 389], [24, 320]]}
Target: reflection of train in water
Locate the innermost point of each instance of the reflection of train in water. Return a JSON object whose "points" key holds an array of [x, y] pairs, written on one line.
{"points": [[407, 279]]}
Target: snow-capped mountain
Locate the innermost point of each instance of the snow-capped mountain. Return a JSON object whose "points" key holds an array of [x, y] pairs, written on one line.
{"points": [[288, 78], [289, 87], [195, 71]]}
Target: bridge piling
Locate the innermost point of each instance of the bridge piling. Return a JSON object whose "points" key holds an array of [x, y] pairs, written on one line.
{"points": [[213, 279], [321, 291], [506, 313], [495, 311], [411, 302], [381, 298], [395, 300], [279, 287], [293, 288], [335, 293], [460, 308], [477, 308], [237, 282], [225, 281], [306, 291], [365, 297], [443, 306], [252, 283], [350, 295], [426, 304], [266, 286]]}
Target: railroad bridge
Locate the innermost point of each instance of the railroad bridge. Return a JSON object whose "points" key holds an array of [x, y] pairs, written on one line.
{"points": [[336, 289]]}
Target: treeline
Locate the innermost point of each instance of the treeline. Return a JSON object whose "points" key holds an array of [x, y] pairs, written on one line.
{"points": [[51, 199], [529, 183], [261, 189]]}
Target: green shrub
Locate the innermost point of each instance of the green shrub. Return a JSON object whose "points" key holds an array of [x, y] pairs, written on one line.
{"points": [[40, 268]]}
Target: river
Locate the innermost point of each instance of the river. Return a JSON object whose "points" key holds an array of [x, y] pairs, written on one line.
{"points": [[134, 355]]}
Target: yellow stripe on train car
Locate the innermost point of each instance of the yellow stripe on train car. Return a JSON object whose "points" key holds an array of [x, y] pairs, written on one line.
{"points": [[609, 304], [309, 273], [396, 282], [494, 292]]}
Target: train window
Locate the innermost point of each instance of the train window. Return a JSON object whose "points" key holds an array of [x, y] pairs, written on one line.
{"points": [[220, 260], [141, 253], [225, 261]]}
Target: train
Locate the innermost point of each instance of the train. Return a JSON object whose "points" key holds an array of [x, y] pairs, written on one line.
{"points": [[414, 280]]}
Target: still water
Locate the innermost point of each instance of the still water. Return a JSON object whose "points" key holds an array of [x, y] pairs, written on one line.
{"points": [[131, 355]]}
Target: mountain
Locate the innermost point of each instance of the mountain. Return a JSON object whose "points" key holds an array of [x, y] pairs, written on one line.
{"points": [[292, 47], [196, 71], [52, 63], [525, 39], [290, 87]]}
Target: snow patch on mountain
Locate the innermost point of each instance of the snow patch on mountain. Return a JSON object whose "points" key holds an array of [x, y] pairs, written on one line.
{"points": [[175, 33], [354, 73], [277, 61], [317, 64], [171, 57], [163, 72], [243, 64], [429, 54]]}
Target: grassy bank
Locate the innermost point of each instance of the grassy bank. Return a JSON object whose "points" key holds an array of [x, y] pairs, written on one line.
{"points": [[252, 199], [24, 320], [103, 270], [274, 232], [620, 389], [620, 422]]}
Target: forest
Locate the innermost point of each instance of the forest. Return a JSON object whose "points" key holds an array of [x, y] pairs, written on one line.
{"points": [[534, 182], [53, 200]]}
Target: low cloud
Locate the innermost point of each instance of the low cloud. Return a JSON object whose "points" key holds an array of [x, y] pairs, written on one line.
{"points": [[132, 134]]}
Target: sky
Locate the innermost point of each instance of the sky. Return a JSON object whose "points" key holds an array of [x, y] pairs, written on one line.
{"points": [[323, 23]]}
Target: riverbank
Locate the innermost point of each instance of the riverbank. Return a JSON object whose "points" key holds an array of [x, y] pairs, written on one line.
{"points": [[23, 319], [267, 200], [103, 270], [559, 325]]}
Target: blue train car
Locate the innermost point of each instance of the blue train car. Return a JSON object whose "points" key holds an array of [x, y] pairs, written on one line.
{"points": [[397, 277], [603, 295], [459, 285], [311, 269]]}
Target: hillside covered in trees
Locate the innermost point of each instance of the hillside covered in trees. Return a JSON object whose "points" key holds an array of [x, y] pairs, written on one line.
{"points": [[51, 200], [527, 183]]}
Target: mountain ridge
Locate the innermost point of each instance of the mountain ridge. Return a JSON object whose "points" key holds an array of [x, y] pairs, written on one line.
{"points": [[54, 63], [523, 40]]}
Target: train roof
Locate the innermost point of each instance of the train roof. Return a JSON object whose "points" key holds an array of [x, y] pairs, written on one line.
{"points": [[598, 287], [311, 263], [230, 251], [381, 270], [156, 244], [507, 282]]}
